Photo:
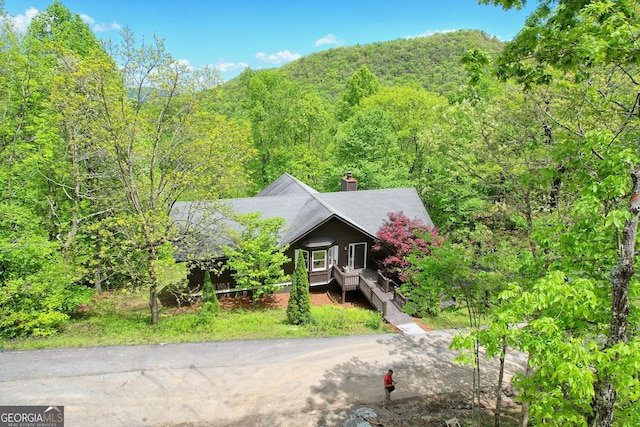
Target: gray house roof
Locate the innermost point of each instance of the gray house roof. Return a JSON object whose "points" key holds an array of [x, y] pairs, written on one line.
{"points": [[286, 185], [304, 209]]}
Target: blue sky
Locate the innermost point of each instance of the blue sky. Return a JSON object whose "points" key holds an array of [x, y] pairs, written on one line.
{"points": [[232, 35]]}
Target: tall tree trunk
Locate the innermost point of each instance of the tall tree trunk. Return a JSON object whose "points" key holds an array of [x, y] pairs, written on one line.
{"points": [[153, 303], [477, 374], [97, 279], [604, 400], [152, 259], [524, 411], [476, 356], [74, 196], [97, 274], [73, 231], [498, 414]]}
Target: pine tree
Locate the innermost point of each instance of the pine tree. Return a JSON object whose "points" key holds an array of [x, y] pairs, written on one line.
{"points": [[210, 302], [299, 306]]}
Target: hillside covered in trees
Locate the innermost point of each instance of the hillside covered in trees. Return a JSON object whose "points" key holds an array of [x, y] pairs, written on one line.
{"points": [[525, 155], [433, 63]]}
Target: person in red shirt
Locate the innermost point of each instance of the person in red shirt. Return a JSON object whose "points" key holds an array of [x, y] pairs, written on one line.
{"points": [[389, 386]]}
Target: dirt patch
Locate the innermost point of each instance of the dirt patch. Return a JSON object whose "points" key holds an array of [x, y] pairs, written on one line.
{"points": [[325, 296], [436, 409]]}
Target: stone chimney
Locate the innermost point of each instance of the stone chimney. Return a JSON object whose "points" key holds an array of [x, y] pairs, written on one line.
{"points": [[349, 183]]}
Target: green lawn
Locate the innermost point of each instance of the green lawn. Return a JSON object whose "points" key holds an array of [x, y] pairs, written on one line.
{"points": [[122, 318], [448, 319]]}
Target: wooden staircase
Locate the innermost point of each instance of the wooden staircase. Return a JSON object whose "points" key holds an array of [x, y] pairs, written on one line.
{"points": [[381, 297]]}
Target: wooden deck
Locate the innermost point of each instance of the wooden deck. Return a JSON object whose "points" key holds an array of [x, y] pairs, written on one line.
{"points": [[377, 292]]}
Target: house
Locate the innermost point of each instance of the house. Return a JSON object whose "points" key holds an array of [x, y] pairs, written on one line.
{"points": [[334, 231]]}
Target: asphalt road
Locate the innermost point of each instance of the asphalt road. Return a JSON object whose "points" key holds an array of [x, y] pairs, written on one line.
{"points": [[285, 382]]}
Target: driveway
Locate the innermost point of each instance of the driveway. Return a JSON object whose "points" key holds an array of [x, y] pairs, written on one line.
{"points": [[302, 382]]}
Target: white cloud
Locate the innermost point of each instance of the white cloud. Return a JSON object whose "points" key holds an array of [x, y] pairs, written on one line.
{"points": [[21, 22], [281, 57], [429, 33], [101, 28], [86, 18], [328, 39], [224, 66], [184, 64]]}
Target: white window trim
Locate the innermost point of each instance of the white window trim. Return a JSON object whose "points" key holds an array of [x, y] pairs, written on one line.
{"points": [[324, 259], [333, 255], [352, 252], [305, 254]]}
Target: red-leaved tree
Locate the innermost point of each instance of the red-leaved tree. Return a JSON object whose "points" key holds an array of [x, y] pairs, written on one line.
{"points": [[397, 237]]}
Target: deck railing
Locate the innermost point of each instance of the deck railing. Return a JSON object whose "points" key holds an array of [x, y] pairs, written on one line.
{"points": [[389, 285], [371, 294], [399, 299], [348, 281], [385, 283]]}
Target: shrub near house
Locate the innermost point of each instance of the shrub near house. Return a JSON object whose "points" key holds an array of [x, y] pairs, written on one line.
{"points": [[397, 238]]}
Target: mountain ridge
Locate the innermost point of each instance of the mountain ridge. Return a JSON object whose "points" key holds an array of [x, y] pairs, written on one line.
{"points": [[432, 62]]}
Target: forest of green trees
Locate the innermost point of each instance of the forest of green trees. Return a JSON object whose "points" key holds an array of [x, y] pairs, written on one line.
{"points": [[526, 155]]}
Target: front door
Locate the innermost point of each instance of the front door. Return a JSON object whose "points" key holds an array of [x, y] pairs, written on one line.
{"points": [[357, 255]]}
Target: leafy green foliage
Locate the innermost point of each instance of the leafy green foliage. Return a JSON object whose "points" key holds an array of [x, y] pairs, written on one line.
{"points": [[360, 85], [559, 310], [586, 54], [367, 145], [574, 37], [37, 292], [434, 277], [299, 305], [40, 303], [57, 26], [122, 318], [256, 259], [165, 145], [410, 110], [432, 63], [289, 127], [112, 253], [208, 293]]}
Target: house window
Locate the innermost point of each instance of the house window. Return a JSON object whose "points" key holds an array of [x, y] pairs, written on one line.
{"points": [[319, 260], [305, 254]]}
